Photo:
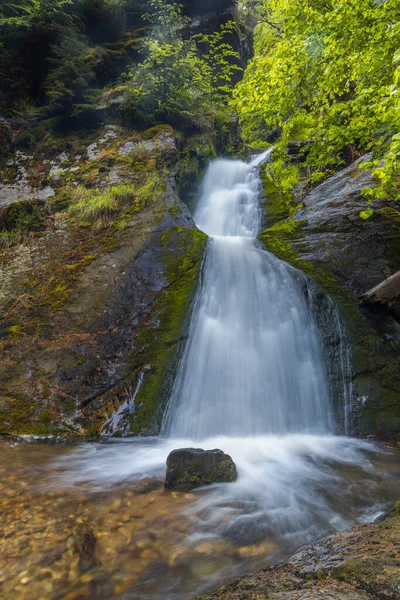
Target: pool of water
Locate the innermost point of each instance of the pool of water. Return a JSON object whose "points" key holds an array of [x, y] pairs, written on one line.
{"points": [[94, 520]]}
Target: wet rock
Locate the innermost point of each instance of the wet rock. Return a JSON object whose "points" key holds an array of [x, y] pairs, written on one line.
{"points": [[361, 563], [192, 468], [85, 546], [100, 315], [148, 485], [347, 256]]}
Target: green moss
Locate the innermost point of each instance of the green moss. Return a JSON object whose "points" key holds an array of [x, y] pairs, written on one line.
{"points": [[92, 431], [157, 130], [279, 180], [277, 205], [14, 330], [157, 345], [21, 218], [194, 156], [371, 355], [22, 417]]}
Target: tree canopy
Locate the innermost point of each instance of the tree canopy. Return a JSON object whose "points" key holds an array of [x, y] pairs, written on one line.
{"points": [[327, 71], [56, 56]]}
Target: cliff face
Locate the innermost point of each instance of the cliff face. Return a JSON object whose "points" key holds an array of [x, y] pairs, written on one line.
{"points": [[347, 256], [94, 300]]}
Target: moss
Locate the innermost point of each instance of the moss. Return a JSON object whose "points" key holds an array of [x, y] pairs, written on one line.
{"points": [[277, 205], [14, 330], [371, 355], [92, 431], [23, 217], [157, 345], [194, 156], [157, 130], [23, 417]]}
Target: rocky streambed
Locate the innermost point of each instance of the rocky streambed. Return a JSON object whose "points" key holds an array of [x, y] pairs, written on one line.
{"points": [[95, 521], [362, 563]]}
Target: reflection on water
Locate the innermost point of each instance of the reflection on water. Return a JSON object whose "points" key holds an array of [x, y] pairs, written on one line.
{"points": [[94, 521]]}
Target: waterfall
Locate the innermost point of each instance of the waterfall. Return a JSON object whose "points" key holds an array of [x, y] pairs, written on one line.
{"points": [[264, 358], [253, 363]]}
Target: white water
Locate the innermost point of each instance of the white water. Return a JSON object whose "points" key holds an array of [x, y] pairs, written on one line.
{"points": [[251, 382], [253, 363]]}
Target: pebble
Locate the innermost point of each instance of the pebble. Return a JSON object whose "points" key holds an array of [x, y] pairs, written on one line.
{"points": [[135, 529]]}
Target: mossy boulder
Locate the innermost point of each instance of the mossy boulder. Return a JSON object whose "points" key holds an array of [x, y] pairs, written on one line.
{"points": [[348, 255], [192, 468]]}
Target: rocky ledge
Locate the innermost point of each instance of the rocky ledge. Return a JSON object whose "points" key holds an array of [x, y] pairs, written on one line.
{"points": [[330, 240], [362, 563]]}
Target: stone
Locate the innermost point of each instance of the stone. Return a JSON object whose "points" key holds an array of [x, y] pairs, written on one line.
{"points": [[191, 468], [113, 306], [361, 563], [84, 545], [347, 256]]}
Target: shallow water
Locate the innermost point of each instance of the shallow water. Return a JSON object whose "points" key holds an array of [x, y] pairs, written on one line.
{"points": [[152, 544]]}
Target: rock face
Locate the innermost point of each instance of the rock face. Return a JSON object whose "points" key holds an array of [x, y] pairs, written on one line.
{"points": [[192, 468], [347, 256], [94, 313], [362, 563]]}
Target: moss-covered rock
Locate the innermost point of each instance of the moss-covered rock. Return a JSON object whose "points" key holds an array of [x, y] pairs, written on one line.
{"points": [[347, 255], [191, 468], [95, 306]]}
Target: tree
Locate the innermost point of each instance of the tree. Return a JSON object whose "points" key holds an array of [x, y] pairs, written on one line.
{"points": [[180, 78], [171, 84], [327, 71], [68, 84], [221, 60], [27, 14]]}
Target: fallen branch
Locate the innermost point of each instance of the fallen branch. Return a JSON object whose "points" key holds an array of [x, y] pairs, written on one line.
{"points": [[386, 292]]}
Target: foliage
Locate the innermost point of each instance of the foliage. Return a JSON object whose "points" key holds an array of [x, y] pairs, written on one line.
{"points": [[98, 207], [327, 71], [48, 50], [68, 84], [175, 82], [27, 14], [55, 56], [221, 61], [92, 207], [283, 176]]}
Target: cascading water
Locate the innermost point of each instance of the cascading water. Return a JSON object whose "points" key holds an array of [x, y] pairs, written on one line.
{"points": [[252, 381], [253, 362]]}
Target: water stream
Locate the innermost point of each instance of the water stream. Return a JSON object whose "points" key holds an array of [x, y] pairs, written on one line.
{"points": [[253, 382], [253, 363]]}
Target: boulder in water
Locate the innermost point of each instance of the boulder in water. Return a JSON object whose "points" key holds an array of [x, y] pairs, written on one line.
{"points": [[191, 468]]}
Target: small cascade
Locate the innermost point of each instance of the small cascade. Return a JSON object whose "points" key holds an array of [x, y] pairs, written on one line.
{"points": [[253, 363]]}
